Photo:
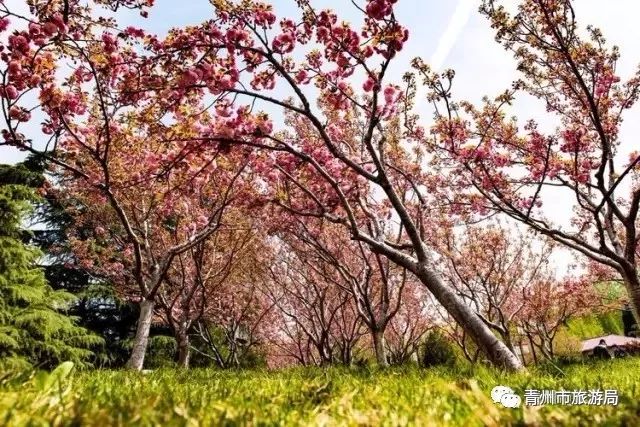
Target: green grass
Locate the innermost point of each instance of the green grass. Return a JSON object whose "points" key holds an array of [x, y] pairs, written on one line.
{"points": [[403, 396]]}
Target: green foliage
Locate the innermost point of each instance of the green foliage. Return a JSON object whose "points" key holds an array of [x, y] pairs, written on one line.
{"points": [[95, 306], [312, 396], [34, 328], [437, 350], [596, 325], [49, 391], [610, 291], [566, 344], [161, 352]]}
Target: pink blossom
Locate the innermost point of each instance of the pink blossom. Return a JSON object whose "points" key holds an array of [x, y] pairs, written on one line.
{"points": [[369, 84], [50, 28], [284, 43], [379, 9], [34, 29], [11, 92], [302, 77], [15, 67], [391, 94], [109, 42]]}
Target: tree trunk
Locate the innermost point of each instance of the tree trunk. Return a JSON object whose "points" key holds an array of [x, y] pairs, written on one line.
{"points": [[141, 340], [632, 283], [183, 348], [522, 356], [495, 350], [506, 338], [325, 358], [379, 348], [325, 351], [346, 354], [533, 349]]}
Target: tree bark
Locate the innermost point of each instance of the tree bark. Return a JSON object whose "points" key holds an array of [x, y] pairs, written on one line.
{"points": [[494, 349], [347, 354], [522, 356], [183, 348], [141, 339], [506, 338], [632, 283], [379, 347], [533, 348]]}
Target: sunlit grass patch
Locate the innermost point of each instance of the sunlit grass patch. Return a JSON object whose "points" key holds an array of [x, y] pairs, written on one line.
{"points": [[313, 396]]}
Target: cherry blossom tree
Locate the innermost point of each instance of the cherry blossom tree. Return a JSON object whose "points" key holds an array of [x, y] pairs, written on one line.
{"points": [[200, 279], [138, 233], [318, 315], [289, 345], [347, 334], [506, 277], [349, 129], [375, 285], [234, 303], [408, 328], [130, 160], [493, 267], [246, 321], [510, 169], [549, 305]]}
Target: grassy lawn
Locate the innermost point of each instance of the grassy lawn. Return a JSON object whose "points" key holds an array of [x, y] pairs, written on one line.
{"points": [[406, 396]]}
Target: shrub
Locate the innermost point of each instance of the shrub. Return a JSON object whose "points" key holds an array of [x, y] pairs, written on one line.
{"points": [[161, 352], [566, 344], [595, 325], [437, 350]]}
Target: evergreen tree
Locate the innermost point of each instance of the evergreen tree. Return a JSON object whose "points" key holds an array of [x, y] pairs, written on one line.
{"points": [[35, 328], [97, 307]]}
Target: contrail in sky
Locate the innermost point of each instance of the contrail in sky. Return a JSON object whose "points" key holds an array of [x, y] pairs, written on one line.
{"points": [[458, 21]]}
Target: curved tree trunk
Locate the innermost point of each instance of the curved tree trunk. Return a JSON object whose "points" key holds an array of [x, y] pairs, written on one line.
{"points": [[141, 339], [506, 338], [495, 350], [379, 347], [632, 284]]}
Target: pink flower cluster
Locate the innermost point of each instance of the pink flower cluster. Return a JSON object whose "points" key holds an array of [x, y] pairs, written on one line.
{"points": [[605, 82], [392, 96], [379, 9], [263, 15]]}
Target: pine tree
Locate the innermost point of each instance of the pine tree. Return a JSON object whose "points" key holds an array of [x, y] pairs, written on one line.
{"points": [[97, 307], [34, 326]]}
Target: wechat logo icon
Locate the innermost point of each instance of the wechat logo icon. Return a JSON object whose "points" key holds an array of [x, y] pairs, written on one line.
{"points": [[505, 396]]}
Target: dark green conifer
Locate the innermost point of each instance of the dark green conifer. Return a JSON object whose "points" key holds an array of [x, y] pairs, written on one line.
{"points": [[35, 328]]}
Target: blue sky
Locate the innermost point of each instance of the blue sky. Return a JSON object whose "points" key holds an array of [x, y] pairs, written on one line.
{"points": [[427, 21], [447, 34]]}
